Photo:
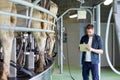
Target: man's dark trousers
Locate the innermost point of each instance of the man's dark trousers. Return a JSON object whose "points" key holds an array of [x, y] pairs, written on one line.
{"points": [[87, 67]]}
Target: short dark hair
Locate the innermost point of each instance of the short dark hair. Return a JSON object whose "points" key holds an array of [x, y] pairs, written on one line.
{"points": [[89, 26]]}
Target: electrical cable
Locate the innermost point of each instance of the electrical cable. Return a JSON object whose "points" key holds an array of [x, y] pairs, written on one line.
{"points": [[68, 62]]}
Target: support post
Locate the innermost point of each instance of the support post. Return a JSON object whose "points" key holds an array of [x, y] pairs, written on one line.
{"points": [[98, 24], [98, 19], [61, 46], [13, 70], [93, 17]]}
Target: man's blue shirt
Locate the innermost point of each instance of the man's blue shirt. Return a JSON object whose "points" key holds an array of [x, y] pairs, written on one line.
{"points": [[97, 43]]}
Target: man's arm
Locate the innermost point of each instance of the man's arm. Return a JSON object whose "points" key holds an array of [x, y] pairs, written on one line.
{"points": [[100, 47], [99, 51]]}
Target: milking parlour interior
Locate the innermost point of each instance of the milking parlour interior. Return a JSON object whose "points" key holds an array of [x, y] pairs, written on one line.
{"points": [[59, 39]]}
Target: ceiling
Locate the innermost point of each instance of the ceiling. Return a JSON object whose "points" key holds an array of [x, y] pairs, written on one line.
{"points": [[63, 5], [66, 4]]}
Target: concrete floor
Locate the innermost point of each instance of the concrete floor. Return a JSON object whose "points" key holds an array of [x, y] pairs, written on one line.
{"points": [[106, 74]]}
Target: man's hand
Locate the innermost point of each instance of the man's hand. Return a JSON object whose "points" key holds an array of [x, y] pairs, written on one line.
{"points": [[89, 49], [99, 51]]}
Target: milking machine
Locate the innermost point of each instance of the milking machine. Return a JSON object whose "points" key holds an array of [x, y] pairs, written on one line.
{"points": [[26, 51], [23, 56]]}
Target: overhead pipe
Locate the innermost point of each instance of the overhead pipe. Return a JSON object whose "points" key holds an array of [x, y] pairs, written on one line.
{"points": [[72, 9]]}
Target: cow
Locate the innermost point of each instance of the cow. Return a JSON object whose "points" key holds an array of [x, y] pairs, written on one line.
{"points": [[42, 37], [6, 37], [51, 36]]}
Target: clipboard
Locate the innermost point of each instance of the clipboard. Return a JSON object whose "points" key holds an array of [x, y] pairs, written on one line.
{"points": [[83, 47]]}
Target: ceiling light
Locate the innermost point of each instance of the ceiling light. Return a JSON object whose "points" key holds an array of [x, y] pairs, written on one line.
{"points": [[82, 1], [73, 16], [108, 2]]}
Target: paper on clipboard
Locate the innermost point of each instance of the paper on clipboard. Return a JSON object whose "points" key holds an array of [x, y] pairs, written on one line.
{"points": [[83, 47]]}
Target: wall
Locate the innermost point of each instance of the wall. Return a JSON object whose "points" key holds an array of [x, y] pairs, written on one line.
{"points": [[74, 33], [116, 49]]}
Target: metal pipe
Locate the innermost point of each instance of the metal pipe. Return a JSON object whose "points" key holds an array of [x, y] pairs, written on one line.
{"points": [[61, 46], [27, 14], [98, 3], [93, 17], [36, 1], [61, 32], [24, 29], [25, 3], [98, 19], [31, 12], [58, 44], [98, 24], [25, 17], [106, 43], [86, 8], [90, 14], [44, 74], [30, 20]]}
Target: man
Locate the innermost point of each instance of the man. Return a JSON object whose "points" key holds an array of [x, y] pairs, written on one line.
{"points": [[90, 58]]}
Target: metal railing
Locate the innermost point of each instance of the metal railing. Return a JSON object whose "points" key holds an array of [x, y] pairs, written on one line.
{"points": [[46, 75], [32, 6], [24, 29]]}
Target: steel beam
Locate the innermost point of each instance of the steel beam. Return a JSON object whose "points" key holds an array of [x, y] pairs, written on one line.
{"points": [[61, 45], [98, 24]]}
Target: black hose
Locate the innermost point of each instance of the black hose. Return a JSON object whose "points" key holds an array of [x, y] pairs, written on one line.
{"points": [[68, 62]]}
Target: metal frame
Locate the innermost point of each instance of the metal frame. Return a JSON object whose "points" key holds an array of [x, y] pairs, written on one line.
{"points": [[98, 24], [60, 57], [30, 18], [27, 4], [24, 29], [44, 74], [72, 9], [25, 17], [31, 11]]}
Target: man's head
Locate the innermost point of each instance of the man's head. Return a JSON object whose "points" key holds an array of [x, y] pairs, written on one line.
{"points": [[89, 29]]}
